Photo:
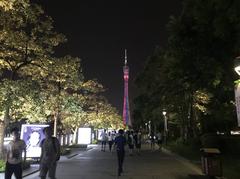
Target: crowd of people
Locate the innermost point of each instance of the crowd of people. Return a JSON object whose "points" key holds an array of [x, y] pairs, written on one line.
{"points": [[50, 150], [133, 139]]}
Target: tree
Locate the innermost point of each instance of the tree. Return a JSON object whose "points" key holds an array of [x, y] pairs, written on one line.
{"points": [[27, 40], [204, 40], [193, 78], [87, 107], [63, 79]]}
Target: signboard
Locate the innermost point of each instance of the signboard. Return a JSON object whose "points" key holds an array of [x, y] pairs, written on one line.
{"points": [[100, 131], [84, 135], [237, 100], [33, 134]]}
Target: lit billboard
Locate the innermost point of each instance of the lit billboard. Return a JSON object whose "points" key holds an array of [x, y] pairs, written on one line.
{"points": [[33, 134], [84, 135]]}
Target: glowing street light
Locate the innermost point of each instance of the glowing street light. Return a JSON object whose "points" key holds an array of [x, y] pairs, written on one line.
{"points": [[237, 65]]}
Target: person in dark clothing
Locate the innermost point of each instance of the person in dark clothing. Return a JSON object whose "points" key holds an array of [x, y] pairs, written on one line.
{"points": [[152, 139], [138, 139], [119, 143]]}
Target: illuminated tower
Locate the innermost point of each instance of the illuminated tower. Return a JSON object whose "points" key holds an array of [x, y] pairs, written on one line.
{"points": [[126, 111]]}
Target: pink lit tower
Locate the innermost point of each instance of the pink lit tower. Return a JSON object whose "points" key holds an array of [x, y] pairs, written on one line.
{"points": [[126, 110]]}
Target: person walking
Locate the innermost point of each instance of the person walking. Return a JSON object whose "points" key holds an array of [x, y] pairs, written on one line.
{"points": [[14, 151], [110, 140], [50, 155], [152, 139], [104, 139], [138, 141], [130, 142], [119, 143], [159, 140]]}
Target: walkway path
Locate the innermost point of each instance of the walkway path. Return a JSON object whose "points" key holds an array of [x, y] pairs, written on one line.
{"points": [[95, 164]]}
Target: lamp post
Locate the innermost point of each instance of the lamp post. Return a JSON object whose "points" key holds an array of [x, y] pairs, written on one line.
{"points": [[165, 126], [146, 127], [149, 127], [237, 88]]}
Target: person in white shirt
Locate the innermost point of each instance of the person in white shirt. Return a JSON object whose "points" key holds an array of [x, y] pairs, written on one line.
{"points": [[104, 140], [14, 151], [110, 140]]}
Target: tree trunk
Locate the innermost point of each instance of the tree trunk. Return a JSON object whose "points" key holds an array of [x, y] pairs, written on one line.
{"points": [[3, 124], [75, 135], [2, 129], [55, 124]]}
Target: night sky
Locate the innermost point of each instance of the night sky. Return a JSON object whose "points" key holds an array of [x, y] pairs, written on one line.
{"points": [[99, 31]]}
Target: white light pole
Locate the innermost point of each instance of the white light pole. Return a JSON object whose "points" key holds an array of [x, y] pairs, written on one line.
{"points": [[237, 88], [149, 126], [165, 127]]}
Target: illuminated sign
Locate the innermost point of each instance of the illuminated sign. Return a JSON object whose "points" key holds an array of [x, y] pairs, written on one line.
{"points": [[100, 131], [84, 135], [33, 134]]}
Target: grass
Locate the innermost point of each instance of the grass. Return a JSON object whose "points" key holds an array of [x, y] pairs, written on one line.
{"points": [[230, 163], [190, 152]]}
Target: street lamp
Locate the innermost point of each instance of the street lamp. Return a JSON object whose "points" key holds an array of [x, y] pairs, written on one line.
{"points": [[165, 126], [149, 127], [237, 65]]}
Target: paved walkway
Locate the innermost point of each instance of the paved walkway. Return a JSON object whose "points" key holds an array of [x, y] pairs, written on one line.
{"points": [[95, 164]]}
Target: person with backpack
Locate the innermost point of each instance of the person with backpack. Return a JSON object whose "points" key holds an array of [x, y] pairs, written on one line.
{"points": [[50, 154]]}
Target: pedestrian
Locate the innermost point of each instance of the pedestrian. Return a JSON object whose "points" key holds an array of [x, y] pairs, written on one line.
{"points": [[14, 151], [104, 139], [152, 139], [138, 141], [159, 140], [110, 140], [119, 143], [50, 155], [130, 142]]}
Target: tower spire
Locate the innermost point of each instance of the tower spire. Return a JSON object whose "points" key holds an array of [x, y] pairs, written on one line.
{"points": [[126, 111], [125, 57]]}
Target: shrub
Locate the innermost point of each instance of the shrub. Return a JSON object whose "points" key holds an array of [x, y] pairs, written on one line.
{"points": [[26, 165], [225, 143], [65, 151], [230, 145], [210, 140], [2, 166], [95, 141]]}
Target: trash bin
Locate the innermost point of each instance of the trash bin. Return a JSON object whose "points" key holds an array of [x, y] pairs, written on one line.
{"points": [[211, 162]]}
